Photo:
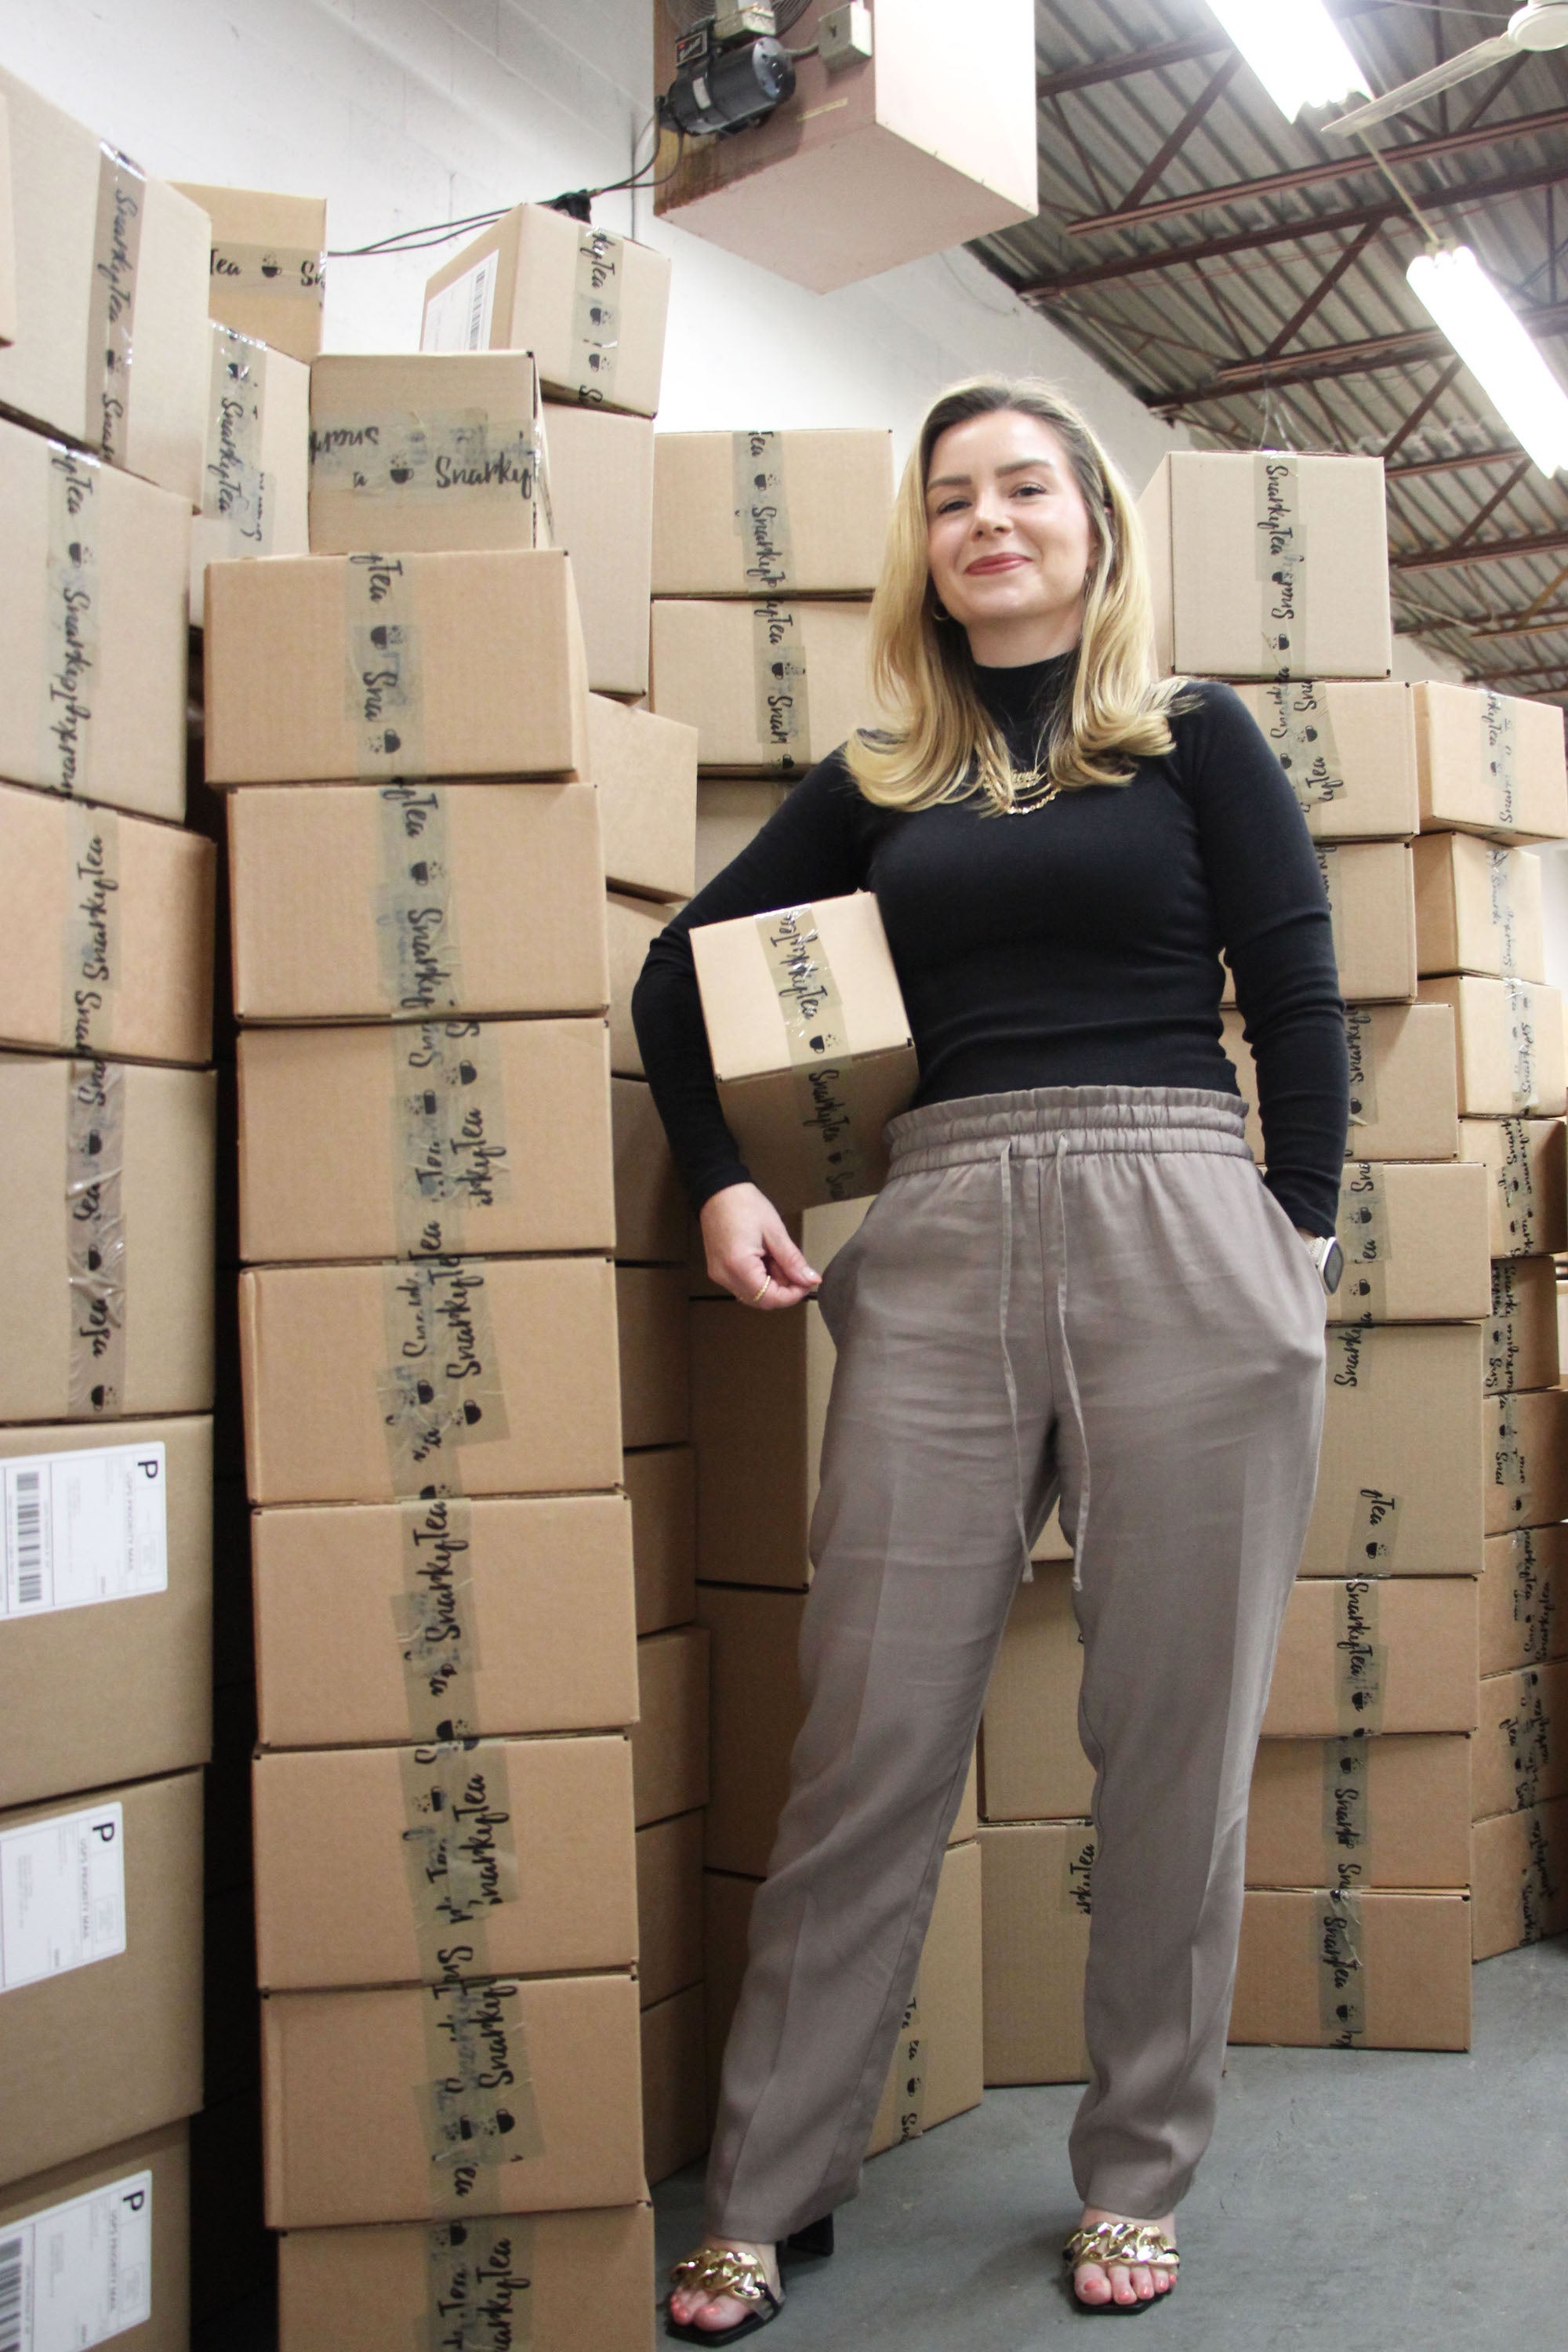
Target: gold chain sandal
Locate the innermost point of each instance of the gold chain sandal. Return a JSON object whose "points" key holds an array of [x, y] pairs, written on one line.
{"points": [[719, 2270], [1128, 2243]]}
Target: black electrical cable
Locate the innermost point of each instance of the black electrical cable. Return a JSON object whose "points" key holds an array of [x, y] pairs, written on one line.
{"points": [[437, 233]]}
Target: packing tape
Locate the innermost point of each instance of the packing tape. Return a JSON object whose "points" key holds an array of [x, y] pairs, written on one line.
{"points": [[1077, 1870], [909, 2058], [1347, 1820], [1505, 921], [383, 695], [779, 679], [1298, 725], [1519, 1016], [1360, 1659], [459, 1851], [111, 304], [1538, 1889], [91, 928], [1337, 1942], [452, 455], [1510, 1471], [291, 272], [597, 314], [416, 903], [1500, 740], [1366, 1241], [1533, 1596], [1503, 1343], [762, 511], [816, 1041], [72, 635], [1359, 1039], [1279, 544], [435, 1620], [235, 490], [1329, 868], [479, 2285], [1374, 1532], [448, 1132], [95, 1237], [440, 1388], [1528, 1736], [1516, 1181], [477, 2108]]}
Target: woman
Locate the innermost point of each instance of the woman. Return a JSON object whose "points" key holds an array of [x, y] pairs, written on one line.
{"points": [[1074, 1282]]}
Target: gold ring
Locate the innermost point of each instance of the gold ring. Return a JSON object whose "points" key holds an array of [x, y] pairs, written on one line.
{"points": [[767, 1280]]}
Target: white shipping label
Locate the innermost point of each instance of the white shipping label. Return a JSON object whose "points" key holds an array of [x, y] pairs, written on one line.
{"points": [[82, 1528], [62, 1894], [80, 2272], [459, 318]]}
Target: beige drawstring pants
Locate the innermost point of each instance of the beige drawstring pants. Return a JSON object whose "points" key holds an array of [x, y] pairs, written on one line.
{"points": [[1078, 1289]]}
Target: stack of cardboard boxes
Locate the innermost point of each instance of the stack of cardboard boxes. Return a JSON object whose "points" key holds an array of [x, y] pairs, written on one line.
{"points": [[106, 1290]]}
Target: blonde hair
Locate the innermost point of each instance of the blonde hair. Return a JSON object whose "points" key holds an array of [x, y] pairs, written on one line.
{"points": [[943, 743]]}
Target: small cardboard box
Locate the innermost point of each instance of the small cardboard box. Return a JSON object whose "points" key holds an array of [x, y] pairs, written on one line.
{"points": [[589, 305], [1521, 1332], [652, 1218], [106, 1284], [1370, 890], [650, 1313], [478, 1376], [1036, 1877], [1528, 1192], [1402, 1472], [669, 1745], [1325, 1970], [1415, 1239], [630, 925], [444, 1619], [1518, 1878], [1489, 763], [675, 2130], [1524, 1599], [424, 1138], [764, 513], [600, 487], [417, 901], [1032, 1768], [1265, 564], [771, 687], [116, 954], [365, 2289], [1509, 1039], [255, 481], [1404, 1088], [394, 2105], [1521, 1755], [810, 1043], [266, 271], [1526, 1456], [645, 771], [1375, 1653], [460, 1859], [452, 665], [1349, 748], [1478, 908], [1360, 1812], [417, 452], [106, 1631], [100, 2018], [92, 628], [112, 268], [731, 813], [661, 1486], [669, 1907], [109, 2234]]}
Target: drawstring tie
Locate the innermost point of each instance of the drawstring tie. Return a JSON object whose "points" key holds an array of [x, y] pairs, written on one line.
{"points": [[1005, 1166]]}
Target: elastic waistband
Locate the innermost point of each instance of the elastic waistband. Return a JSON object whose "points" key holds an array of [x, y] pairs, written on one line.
{"points": [[1040, 1121]]}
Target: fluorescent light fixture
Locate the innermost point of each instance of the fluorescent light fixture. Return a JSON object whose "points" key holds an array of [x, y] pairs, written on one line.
{"points": [[1295, 48], [1497, 348]]}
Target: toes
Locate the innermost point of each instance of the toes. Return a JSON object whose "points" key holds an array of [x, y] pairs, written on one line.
{"points": [[1122, 2287], [1143, 2282], [1091, 2284]]}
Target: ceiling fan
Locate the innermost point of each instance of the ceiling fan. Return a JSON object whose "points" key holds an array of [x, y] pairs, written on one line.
{"points": [[1541, 25]]}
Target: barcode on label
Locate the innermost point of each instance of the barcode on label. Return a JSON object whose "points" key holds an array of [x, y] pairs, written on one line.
{"points": [[27, 1542], [11, 2295]]}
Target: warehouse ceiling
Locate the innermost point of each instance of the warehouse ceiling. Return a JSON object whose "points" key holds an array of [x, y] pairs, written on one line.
{"points": [[1245, 277]]}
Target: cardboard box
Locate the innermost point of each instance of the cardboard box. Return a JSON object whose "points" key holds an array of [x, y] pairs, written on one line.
{"points": [[116, 955], [670, 1745], [1521, 1752], [1521, 1335], [363, 2290], [454, 1375], [1509, 1041], [412, 665], [100, 2016], [630, 924], [106, 1616], [1402, 1476], [112, 268], [1037, 1878], [1349, 748], [1415, 1239], [1032, 1768], [426, 2101], [1526, 1456], [650, 1311], [415, 900], [644, 771], [1265, 564], [1524, 1597], [675, 2130], [1478, 908], [417, 452], [1489, 763], [731, 813], [669, 1907], [1518, 1878], [771, 687], [1528, 1194], [464, 1860], [1376, 1655], [652, 1218], [589, 305], [106, 1287], [267, 264], [92, 628], [810, 1043], [105, 2244], [1371, 892], [661, 1487], [423, 1138], [1360, 1812], [600, 489], [1403, 1087], [255, 481], [444, 1619], [1321, 1971], [762, 513]]}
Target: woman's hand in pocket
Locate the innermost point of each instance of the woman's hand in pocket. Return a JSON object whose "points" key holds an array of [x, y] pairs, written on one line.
{"points": [[749, 1251]]}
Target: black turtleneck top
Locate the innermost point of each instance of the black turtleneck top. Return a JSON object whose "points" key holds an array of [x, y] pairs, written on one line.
{"points": [[1076, 945]]}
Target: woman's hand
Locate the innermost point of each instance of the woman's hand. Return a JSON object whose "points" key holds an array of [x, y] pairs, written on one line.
{"points": [[749, 1251]]}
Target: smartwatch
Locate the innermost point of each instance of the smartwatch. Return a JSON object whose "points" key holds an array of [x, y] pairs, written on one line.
{"points": [[1326, 1255]]}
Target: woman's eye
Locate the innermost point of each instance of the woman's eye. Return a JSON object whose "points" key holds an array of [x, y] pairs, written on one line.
{"points": [[951, 506]]}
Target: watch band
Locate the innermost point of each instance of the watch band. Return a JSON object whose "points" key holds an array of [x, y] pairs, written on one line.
{"points": [[1329, 1258]]}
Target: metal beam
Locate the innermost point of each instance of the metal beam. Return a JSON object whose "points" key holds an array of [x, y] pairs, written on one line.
{"points": [[1548, 625], [1477, 521], [1418, 414], [1460, 464], [1322, 290], [1405, 349], [1490, 551], [1095, 70], [1149, 176]]}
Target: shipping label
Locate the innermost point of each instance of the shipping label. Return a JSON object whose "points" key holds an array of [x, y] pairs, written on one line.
{"points": [[91, 928], [1360, 1658], [72, 604], [1280, 547], [111, 303], [1359, 1038], [84, 1528], [458, 1849], [481, 2285], [385, 702], [434, 1619], [478, 2104], [1366, 1240], [448, 456], [762, 511], [62, 1894], [1337, 1942], [80, 2271], [597, 314], [1347, 1826], [440, 1388], [95, 1237], [459, 318], [448, 1132], [782, 694], [1296, 722], [417, 903], [290, 272], [1500, 737], [234, 491]]}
